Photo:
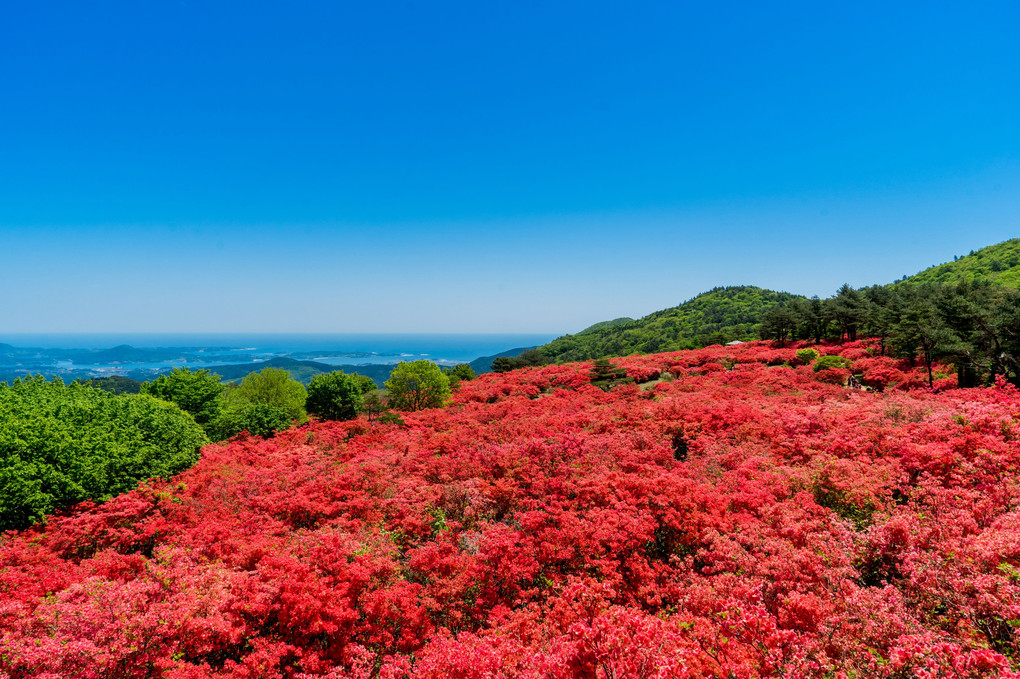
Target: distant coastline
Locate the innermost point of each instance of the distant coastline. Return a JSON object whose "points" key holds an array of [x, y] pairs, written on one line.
{"points": [[144, 356]]}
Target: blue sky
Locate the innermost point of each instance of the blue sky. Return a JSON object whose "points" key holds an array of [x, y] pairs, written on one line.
{"points": [[465, 167]]}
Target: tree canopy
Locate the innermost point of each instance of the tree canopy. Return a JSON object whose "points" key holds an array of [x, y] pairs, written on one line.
{"points": [[971, 325], [62, 444], [272, 386], [264, 402], [417, 385], [335, 396], [196, 392]]}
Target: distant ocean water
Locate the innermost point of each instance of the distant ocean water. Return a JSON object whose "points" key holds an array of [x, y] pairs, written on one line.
{"points": [[330, 348]]}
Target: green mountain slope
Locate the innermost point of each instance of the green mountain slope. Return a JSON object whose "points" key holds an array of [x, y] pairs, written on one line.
{"points": [[998, 263], [302, 371], [602, 325], [483, 364], [717, 316]]}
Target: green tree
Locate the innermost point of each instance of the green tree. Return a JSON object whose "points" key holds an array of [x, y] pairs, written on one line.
{"points": [[459, 373], [196, 392], [779, 323], [526, 359], [502, 364], [1005, 349], [335, 396], [463, 371], [606, 375], [881, 318], [115, 384], [849, 310], [921, 331], [417, 385], [271, 387], [365, 383], [373, 406], [258, 419]]}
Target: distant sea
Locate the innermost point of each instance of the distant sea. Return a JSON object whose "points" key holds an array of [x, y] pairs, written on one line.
{"points": [[350, 349]]}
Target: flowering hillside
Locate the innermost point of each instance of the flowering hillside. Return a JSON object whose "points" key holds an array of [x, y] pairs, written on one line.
{"points": [[742, 516]]}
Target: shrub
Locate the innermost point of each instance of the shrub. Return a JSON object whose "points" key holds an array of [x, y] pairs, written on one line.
{"points": [[462, 371], [880, 377], [606, 375], [365, 383], [334, 396], [273, 386], [806, 356], [834, 376], [282, 398], [831, 362], [195, 392], [60, 445], [417, 385], [258, 419], [749, 523]]}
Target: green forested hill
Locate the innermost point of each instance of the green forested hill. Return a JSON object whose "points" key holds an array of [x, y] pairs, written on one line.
{"points": [[735, 313], [302, 371], [998, 263], [603, 325], [717, 316]]}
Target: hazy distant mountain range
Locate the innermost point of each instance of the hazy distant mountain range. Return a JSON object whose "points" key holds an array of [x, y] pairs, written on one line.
{"points": [[123, 367]]}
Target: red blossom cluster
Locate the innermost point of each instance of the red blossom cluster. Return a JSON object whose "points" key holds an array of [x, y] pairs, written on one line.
{"points": [[730, 513]]}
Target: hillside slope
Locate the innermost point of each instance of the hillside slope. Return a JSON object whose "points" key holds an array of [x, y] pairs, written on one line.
{"points": [[717, 316], [999, 263], [749, 518], [302, 371], [735, 313], [483, 364]]}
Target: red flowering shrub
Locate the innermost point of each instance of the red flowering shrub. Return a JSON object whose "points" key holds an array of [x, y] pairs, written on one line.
{"points": [[833, 375], [746, 519], [643, 373]]}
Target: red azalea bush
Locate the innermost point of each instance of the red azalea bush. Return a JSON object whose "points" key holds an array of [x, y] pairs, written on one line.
{"points": [[742, 520], [833, 375]]}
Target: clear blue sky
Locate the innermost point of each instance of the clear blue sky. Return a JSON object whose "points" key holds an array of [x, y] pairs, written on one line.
{"points": [[487, 167]]}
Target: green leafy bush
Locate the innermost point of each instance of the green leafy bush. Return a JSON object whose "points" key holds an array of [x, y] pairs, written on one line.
{"points": [[829, 362], [365, 383], [274, 386], [195, 392], [62, 444], [335, 396], [258, 419], [462, 372], [282, 401], [806, 356], [417, 385]]}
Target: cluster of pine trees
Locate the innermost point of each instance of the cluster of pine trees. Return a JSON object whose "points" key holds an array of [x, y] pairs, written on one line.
{"points": [[974, 325]]}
